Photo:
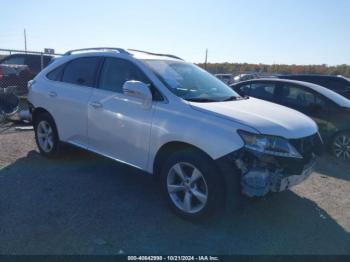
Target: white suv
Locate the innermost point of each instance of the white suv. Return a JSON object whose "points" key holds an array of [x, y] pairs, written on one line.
{"points": [[173, 120]]}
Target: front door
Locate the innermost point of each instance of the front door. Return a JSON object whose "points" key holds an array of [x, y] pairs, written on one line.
{"points": [[119, 126]]}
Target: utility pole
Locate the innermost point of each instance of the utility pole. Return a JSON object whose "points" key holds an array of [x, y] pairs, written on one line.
{"points": [[206, 59], [25, 40]]}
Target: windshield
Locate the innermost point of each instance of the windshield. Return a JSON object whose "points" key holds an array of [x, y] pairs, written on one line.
{"points": [[191, 82]]}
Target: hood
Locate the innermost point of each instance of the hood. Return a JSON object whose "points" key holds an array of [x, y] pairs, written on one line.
{"points": [[265, 117]]}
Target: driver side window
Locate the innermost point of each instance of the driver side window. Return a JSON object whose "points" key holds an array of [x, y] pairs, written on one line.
{"points": [[263, 90], [115, 72]]}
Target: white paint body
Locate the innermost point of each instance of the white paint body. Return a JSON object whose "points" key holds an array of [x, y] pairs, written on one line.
{"points": [[123, 128]]}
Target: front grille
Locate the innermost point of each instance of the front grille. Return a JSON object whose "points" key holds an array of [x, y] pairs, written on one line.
{"points": [[308, 146]]}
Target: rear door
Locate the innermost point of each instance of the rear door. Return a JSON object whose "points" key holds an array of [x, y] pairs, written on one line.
{"points": [[68, 96], [308, 102]]}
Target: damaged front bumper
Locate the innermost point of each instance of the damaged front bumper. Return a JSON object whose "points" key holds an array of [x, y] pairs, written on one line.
{"points": [[258, 181], [263, 173]]}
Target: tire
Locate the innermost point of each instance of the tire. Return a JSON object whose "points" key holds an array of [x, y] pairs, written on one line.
{"points": [[45, 130], [192, 185], [340, 146], [2, 116]]}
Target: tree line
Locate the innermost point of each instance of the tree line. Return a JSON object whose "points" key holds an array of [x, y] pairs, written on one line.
{"points": [[238, 68]]}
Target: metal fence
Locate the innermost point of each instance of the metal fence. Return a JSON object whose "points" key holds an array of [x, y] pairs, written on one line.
{"points": [[17, 67]]}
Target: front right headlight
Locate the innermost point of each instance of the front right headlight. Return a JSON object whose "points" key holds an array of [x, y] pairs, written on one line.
{"points": [[272, 145]]}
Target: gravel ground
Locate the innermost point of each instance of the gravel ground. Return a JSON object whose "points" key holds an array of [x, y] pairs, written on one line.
{"points": [[85, 204]]}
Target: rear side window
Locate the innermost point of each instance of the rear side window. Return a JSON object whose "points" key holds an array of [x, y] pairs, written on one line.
{"points": [[81, 71], [316, 80], [56, 74], [338, 85], [47, 60], [34, 63], [16, 60], [297, 97]]}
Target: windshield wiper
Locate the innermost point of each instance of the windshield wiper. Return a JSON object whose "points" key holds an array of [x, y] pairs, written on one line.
{"points": [[203, 100], [199, 99], [231, 98], [234, 98]]}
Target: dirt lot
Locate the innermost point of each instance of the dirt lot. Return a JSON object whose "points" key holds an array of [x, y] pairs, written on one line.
{"points": [[85, 204]]}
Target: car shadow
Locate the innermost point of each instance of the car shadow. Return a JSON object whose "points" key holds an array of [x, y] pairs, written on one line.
{"points": [[336, 168], [85, 204]]}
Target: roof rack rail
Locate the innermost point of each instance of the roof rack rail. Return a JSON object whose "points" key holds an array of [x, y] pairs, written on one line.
{"points": [[120, 50], [149, 53]]}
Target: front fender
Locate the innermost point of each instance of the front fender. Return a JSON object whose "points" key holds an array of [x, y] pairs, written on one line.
{"points": [[215, 136]]}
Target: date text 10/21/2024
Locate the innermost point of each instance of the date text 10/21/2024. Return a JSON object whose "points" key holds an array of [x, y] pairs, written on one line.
{"points": [[173, 258]]}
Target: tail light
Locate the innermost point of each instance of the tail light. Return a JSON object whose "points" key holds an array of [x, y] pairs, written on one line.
{"points": [[1, 74], [30, 84]]}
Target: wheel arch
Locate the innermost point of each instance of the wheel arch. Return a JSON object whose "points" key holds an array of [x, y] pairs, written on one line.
{"points": [[229, 175], [40, 110], [335, 134], [331, 145], [165, 150]]}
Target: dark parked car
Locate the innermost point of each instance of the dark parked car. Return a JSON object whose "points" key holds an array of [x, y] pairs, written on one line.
{"points": [[15, 77], [16, 70], [338, 84], [328, 109], [34, 62]]}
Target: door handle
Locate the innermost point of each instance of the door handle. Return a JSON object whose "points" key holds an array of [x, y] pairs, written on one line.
{"points": [[52, 94], [96, 104]]}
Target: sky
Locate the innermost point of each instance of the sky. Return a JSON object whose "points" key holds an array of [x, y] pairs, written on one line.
{"points": [[252, 31]]}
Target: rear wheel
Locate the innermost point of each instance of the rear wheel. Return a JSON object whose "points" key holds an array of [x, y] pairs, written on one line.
{"points": [[192, 184], [341, 146], [46, 135]]}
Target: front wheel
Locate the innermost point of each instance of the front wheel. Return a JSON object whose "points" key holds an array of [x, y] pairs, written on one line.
{"points": [[341, 146], [192, 184]]}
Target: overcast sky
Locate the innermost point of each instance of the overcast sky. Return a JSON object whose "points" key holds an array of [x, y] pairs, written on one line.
{"points": [[253, 31]]}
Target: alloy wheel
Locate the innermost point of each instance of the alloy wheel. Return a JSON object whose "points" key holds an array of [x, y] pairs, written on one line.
{"points": [[341, 147], [187, 187], [45, 136]]}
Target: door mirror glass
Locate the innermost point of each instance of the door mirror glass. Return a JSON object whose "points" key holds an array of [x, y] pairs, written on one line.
{"points": [[139, 90]]}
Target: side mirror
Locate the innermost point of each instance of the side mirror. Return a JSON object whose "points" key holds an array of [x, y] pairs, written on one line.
{"points": [[138, 90]]}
